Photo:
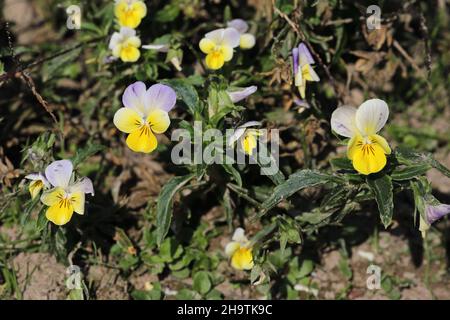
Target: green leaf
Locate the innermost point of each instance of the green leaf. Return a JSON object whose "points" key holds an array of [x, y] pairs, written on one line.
{"points": [[296, 182], [202, 282], [409, 157], [409, 172], [232, 171], [381, 188], [341, 164], [186, 92], [267, 164], [164, 206], [86, 152], [169, 13]]}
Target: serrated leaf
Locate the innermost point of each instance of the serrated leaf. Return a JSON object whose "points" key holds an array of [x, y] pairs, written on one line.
{"points": [[381, 188], [296, 182], [164, 206], [410, 157]]}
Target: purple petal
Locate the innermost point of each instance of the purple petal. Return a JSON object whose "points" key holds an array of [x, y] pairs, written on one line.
{"points": [[237, 96], [134, 96], [240, 25], [161, 97], [295, 60], [436, 212], [305, 55], [58, 173]]}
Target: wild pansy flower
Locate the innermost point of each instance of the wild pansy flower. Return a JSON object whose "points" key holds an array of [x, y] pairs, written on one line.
{"points": [[145, 113], [218, 46], [434, 210], [38, 182], [240, 251], [65, 198], [241, 94], [129, 13], [125, 45], [366, 148], [247, 136], [247, 40], [303, 72]]}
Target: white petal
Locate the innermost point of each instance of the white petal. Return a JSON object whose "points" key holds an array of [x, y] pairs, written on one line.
{"points": [[127, 32], [85, 185], [58, 173], [156, 47], [239, 236], [343, 121], [231, 37], [216, 36], [115, 40], [371, 116], [235, 136], [313, 74], [231, 248], [250, 124], [240, 25]]}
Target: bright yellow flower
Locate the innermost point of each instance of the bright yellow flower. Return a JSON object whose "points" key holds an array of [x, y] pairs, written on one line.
{"points": [[129, 13], [240, 251], [366, 148], [145, 113], [218, 46], [125, 45], [65, 198]]}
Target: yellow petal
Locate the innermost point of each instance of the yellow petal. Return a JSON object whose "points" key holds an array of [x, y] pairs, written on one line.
{"points": [[53, 196], [242, 259], [133, 42], [127, 120], [129, 54], [227, 53], [142, 140], [215, 60], [352, 145], [77, 201], [158, 120], [35, 187], [369, 158], [60, 213], [306, 72], [302, 90], [207, 45], [247, 41], [375, 138], [249, 143]]}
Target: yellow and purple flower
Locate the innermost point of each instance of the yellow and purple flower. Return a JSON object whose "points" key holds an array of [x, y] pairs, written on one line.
{"points": [[366, 149], [145, 113], [218, 46], [303, 72], [65, 197]]}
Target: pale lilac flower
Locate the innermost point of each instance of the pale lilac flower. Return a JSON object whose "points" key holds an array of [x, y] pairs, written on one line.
{"points": [[435, 212]]}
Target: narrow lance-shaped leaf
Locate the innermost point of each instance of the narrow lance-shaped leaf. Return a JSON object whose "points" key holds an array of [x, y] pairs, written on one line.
{"points": [[164, 206], [409, 172], [381, 188], [296, 182]]}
